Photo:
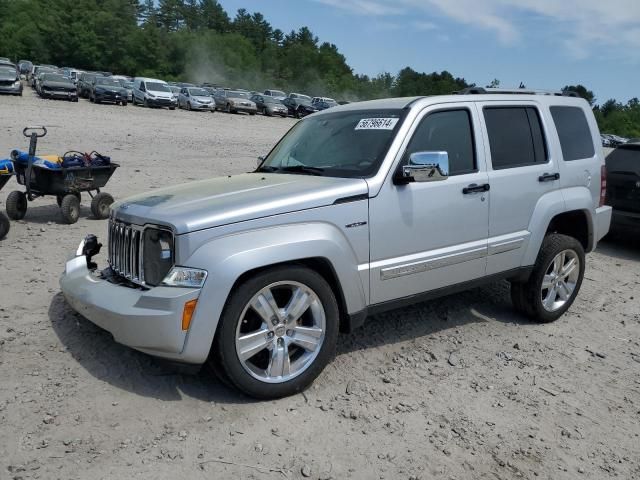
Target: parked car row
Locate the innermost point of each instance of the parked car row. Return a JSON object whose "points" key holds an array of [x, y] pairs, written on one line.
{"points": [[50, 81]]}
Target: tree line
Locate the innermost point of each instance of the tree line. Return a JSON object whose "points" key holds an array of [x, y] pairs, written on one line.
{"points": [[197, 40]]}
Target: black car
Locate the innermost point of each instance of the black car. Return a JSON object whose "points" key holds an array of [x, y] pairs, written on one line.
{"points": [[85, 82], [56, 85], [623, 186], [108, 90], [324, 104], [10, 79], [299, 107]]}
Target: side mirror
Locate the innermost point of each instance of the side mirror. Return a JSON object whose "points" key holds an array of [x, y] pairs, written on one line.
{"points": [[260, 160], [427, 167]]}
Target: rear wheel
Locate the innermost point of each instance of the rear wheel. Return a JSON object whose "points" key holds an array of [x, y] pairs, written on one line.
{"points": [[5, 225], [70, 208], [189, 106], [100, 205], [277, 332], [554, 282], [16, 205]]}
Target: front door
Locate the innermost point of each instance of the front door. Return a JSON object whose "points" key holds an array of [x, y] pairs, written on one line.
{"points": [[425, 236]]}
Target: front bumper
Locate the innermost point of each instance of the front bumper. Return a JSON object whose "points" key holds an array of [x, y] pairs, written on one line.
{"points": [[203, 106], [602, 222], [66, 95], [11, 89], [146, 320], [106, 97], [161, 102], [244, 108]]}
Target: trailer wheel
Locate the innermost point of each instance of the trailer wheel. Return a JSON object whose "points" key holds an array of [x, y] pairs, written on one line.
{"points": [[100, 205], [61, 196], [16, 205], [70, 208], [4, 226]]}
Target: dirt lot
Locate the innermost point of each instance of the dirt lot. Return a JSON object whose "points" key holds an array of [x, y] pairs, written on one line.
{"points": [[456, 388]]}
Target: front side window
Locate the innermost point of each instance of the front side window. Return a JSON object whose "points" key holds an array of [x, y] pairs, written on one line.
{"points": [[515, 136], [343, 144], [574, 133], [448, 131]]}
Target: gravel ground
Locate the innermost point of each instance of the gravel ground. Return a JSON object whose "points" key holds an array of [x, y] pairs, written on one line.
{"points": [[457, 388]]}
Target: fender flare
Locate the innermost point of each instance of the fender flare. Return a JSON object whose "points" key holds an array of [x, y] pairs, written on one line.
{"points": [[227, 258]]}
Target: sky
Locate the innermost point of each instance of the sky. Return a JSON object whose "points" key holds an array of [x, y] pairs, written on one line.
{"points": [[545, 44]]}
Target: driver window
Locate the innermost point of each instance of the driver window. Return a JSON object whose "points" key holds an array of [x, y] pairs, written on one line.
{"points": [[446, 131], [142, 87]]}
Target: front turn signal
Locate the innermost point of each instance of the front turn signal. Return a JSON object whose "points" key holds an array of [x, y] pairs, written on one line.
{"points": [[187, 313]]}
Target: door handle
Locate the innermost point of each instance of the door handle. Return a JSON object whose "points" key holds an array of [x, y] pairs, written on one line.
{"points": [[549, 177], [475, 188]]}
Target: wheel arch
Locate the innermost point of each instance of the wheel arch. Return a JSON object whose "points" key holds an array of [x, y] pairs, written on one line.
{"points": [[231, 259]]}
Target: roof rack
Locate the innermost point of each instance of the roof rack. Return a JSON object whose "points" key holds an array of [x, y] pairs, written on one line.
{"points": [[514, 91]]}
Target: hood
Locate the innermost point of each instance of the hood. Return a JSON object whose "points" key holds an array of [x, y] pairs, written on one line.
{"points": [[52, 84], [202, 98], [224, 200], [241, 99], [4, 76], [110, 88], [160, 94]]}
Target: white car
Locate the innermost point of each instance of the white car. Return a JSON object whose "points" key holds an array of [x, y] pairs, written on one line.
{"points": [[151, 92]]}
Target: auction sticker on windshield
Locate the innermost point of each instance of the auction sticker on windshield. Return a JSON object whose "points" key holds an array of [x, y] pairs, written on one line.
{"points": [[377, 124]]}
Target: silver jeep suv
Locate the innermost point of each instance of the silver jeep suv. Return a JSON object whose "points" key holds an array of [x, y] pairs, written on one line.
{"points": [[359, 209]]}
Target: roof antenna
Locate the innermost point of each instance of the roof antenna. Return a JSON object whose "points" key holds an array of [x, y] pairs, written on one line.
{"points": [[522, 85]]}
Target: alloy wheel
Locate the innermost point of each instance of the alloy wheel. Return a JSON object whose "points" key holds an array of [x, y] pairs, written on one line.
{"points": [[560, 280]]}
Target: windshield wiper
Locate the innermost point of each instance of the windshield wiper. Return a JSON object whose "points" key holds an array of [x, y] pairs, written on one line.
{"points": [[305, 169]]}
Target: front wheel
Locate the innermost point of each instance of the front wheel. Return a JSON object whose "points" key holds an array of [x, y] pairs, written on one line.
{"points": [[554, 282], [70, 208], [277, 332], [16, 205], [5, 226], [100, 205]]}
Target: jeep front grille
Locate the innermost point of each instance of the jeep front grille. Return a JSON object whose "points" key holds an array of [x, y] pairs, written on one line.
{"points": [[125, 250]]}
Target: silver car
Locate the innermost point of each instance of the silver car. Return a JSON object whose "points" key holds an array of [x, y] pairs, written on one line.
{"points": [[194, 98], [358, 209], [234, 101]]}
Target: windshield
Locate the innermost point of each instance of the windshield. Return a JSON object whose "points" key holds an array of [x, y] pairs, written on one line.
{"points": [[54, 77], [125, 84], [277, 93], [267, 99], [8, 69], [341, 144], [108, 82], [198, 92], [157, 87], [175, 90], [235, 94]]}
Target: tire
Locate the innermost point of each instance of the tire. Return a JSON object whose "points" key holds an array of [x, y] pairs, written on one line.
{"points": [[16, 205], [60, 197], [145, 103], [124, 104], [5, 226], [228, 108], [252, 113], [188, 106], [551, 270], [297, 114], [319, 320], [70, 208], [100, 204], [172, 108]]}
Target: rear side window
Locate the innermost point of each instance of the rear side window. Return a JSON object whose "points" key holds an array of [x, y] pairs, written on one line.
{"points": [[446, 131], [573, 130], [515, 137]]}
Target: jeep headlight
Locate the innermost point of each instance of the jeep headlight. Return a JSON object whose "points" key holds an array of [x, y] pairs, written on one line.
{"points": [[185, 277], [16, 83], [157, 255]]}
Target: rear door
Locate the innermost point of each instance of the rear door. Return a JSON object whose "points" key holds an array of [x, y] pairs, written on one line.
{"points": [[623, 178], [521, 171]]}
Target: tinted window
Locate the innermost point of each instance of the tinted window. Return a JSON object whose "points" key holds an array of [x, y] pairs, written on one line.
{"points": [[573, 130], [447, 131], [515, 136]]}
